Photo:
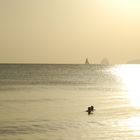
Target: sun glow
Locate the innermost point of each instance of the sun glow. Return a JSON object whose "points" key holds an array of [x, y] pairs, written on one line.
{"points": [[130, 78], [125, 8], [125, 3]]}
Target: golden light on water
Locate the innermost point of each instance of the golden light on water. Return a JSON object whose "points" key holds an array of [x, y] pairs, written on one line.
{"points": [[134, 123], [129, 75]]}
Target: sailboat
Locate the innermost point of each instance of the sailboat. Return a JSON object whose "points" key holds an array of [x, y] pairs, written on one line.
{"points": [[87, 62]]}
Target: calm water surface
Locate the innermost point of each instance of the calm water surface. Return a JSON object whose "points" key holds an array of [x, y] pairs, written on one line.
{"points": [[48, 102]]}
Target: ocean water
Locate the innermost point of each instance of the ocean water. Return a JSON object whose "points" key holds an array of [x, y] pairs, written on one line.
{"points": [[49, 102]]}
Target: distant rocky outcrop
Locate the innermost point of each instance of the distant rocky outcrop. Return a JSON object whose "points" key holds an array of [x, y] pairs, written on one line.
{"points": [[104, 61], [135, 61]]}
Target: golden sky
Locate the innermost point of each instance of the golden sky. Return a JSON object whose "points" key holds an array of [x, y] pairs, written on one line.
{"points": [[68, 31]]}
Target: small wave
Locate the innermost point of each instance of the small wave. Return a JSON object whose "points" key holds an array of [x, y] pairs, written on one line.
{"points": [[29, 100], [101, 124], [31, 127]]}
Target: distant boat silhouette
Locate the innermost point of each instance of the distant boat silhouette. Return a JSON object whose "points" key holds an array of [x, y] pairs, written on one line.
{"points": [[86, 62]]}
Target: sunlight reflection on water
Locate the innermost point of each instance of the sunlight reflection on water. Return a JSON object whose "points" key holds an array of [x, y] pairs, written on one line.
{"points": [[129, 75], [132, 124]]}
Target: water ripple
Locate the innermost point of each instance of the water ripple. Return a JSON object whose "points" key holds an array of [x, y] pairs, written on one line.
{"points": [[31, 127]]}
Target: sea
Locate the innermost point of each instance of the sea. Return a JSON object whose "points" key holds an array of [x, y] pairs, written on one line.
{"points": [[49, 102]]}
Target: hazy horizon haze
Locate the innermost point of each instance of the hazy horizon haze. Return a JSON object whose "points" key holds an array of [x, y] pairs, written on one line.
{"points": [[68, 31]]}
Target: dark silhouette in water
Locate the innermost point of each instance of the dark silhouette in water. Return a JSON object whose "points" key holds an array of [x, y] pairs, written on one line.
{"points": [[90, 109]]}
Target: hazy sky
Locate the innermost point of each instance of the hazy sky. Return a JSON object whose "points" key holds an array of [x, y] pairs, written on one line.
{"points": [[68, 31]]}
